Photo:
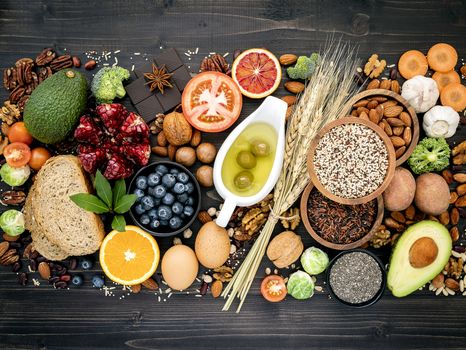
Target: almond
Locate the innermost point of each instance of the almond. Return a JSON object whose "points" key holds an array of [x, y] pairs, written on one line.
{"points": [[406, 118], [4, 247], [150, 284], [289, 99], [361, 103], [410, 212], [136, 288], [364, 116], [433, 218], [391, 223], [372, 104], [388, 128], [407, 136], [287, 59], [397, 141], [160, 151], [196, 138], [453, 197], [44, 270], [374, 84], [382, 125], [398, 216], [289, 113], [171, 152], [400, 151], [459, 177], [204, 217], [379, 109], [294, 87], [354, 113], [448, 176], [389, 103], [444, 218], [395, 86], [394, 121], [463, 70], [385, 84], [454, 216], [452, 284], [362, 109], [27, 251], [393, 111], [373, 116], [398, 130], [216, 288], [437, 282], [161, 139], [454, 233], [461, 189], [379, 99], [460, 202]]}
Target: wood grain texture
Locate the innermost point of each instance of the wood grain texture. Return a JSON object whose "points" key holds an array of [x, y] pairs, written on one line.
{"points": [[43, 318]]}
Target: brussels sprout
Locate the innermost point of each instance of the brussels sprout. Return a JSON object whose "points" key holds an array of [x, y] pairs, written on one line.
{"points": [[15, 176], [300, 285], [314, 261], [12, 222]]}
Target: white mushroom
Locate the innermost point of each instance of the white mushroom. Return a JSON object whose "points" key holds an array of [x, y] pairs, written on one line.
{"points": [[421, 92], [441, 121]]}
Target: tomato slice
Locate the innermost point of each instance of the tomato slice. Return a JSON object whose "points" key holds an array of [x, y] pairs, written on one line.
{"points": [[17, 154], [273, 288], [211, 102]]}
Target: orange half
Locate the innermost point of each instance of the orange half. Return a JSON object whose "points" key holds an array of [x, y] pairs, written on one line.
{"points": [[129, 257]]}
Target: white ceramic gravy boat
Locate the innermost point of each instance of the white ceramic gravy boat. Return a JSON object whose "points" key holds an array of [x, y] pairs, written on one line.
{"points": [[272, 111]]}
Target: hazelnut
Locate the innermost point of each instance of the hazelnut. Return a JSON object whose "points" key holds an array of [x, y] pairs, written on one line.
{"points": [[205, 175], [185, 156], [206, 152]]}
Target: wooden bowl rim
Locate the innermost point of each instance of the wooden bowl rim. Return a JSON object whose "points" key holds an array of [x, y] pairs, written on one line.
{"points": [[336, 246], [391, 161], [387, 93]]}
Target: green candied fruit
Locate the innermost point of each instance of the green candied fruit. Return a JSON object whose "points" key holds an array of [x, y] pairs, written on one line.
{"points": [[244, 180], [260, 148], [246, 160]]}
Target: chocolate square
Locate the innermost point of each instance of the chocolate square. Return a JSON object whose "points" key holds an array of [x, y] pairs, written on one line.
{"points": [[138, 91], [149, 108], [170, 59], [145, 68], [181, 77], [170, 98]]}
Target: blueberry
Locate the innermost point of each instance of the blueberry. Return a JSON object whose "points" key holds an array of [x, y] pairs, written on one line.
{"points": [[85, 264], [153, 179], [175, 223], [144, 219], [154, 224], [159, 191], [169, 199], [157, 201], [177, 208], [164, 212], [188, 211], [190, 201], [152, 214], [161, 169], [189, 187], [98, 281], [163, 222], [139, 209], [77, 280], [174, 171], [178, 188], [183, 177], [182, 198], [168, 180], [139, 193], [147, 202], [141, 182]]}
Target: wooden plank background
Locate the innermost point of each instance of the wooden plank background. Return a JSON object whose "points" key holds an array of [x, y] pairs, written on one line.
{"points": [[43, 318]]}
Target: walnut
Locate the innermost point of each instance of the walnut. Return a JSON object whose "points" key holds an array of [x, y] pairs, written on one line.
{"points": [[454, 267], [223, 273], [374, 67], [9, 113], [156, 125], [381, 238], [291, 223]]}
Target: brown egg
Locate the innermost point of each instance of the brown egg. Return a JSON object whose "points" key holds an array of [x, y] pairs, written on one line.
{"points": [[179, 267], [212, 245]]}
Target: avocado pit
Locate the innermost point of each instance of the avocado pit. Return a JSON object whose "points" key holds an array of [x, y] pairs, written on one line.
{"points": [[423, 252]]}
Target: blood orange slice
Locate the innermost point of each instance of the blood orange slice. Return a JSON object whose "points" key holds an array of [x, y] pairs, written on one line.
{"points": [[211, 102], [257, 73]]}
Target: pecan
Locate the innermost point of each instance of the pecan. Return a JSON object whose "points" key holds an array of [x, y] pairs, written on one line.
{"points": [[9, 78], [44, 73], [61, 62], [215, 63], [23, 70], [12, 197], [9, 257], [223, 273], [22, 102], [17, 93], [46, 56]]}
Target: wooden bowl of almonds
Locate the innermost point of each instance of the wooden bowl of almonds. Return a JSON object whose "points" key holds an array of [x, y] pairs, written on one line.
{"points": [[393, 114]]}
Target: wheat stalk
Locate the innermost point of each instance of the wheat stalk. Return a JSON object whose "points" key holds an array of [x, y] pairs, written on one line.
{"points": [[322, 101]]}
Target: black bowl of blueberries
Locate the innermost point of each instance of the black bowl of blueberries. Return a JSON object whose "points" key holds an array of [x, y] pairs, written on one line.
{"points": [[168, 198]]}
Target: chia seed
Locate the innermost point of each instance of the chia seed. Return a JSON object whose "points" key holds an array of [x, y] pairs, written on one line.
{"points": [[351, 161], [355, 277]]}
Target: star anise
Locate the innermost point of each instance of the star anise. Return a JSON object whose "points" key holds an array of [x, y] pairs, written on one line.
{"points": [[158, 79]]}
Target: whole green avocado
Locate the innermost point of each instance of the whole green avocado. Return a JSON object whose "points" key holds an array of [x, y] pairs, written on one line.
{"points": [[54, 108]]}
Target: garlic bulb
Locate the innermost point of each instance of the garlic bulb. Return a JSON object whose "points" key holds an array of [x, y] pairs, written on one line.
{"points": [[441, 121], [421, 92]]}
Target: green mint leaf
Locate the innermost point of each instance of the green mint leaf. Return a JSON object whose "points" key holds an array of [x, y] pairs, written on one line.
{"points": [[119, 223], [90, 202], [125, 203], [103, 188], [119, 190]]}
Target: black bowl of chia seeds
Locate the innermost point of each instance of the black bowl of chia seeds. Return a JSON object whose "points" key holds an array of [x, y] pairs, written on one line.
{"points": [[356, 278]]}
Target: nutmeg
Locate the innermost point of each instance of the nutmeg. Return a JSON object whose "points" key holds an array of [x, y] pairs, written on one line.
{"points": [[206, 152], [176, 128], [185, 156], [204, 176]]}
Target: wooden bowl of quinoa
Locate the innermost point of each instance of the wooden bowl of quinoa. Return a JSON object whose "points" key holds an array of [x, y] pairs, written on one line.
{"points": [[351, 161]]}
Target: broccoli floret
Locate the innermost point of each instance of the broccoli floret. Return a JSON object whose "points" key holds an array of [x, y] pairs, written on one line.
{"points": [[107, 84], [304, 67], [431, 154]]}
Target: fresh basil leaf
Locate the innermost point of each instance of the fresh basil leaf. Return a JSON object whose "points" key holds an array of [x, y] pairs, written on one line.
{"points": [[103, 188], [90, 202], [119, 190], [119, 223], [125, 203]]}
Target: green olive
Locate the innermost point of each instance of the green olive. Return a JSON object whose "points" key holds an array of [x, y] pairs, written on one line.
{"points": [[260, 148], [246, 160], [244, 180]]}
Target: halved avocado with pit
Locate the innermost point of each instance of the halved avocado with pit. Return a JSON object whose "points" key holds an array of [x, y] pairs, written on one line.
{"points": [[420, 254]]}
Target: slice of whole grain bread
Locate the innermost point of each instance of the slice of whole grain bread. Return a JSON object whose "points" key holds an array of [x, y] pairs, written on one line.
{"points": [[73, 229]]}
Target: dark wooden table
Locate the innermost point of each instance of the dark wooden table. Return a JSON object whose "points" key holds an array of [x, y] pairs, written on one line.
{"points": [[44, 318]]}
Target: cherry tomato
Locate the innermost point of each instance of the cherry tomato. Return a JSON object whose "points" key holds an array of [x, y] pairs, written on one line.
{"points": [[19, 133], [39, 156], [17, 154], [273, 288]]}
